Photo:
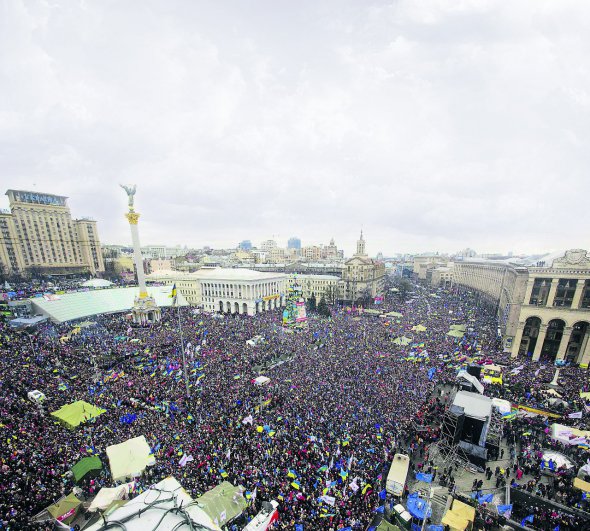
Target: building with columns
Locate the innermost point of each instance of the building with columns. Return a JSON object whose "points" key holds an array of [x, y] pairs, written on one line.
{"points": [[225, 290], [543, 308]]}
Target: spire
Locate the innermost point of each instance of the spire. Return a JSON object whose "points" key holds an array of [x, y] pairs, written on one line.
{"points": [[360, 246]]}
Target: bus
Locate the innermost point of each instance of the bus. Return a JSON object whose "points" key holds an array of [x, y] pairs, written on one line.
{"points": [[398, 472]]}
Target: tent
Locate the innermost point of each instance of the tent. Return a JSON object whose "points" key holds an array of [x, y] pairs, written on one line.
{"points": [[87, 466], [106, 496], [65, 510], [76, 413], [460, 327], [372, 312], [402, 341], [455, 333], [392, 314], [130, 458], [97, 283], [223, 503], [419, 328], [459, 517], [156, 508]]}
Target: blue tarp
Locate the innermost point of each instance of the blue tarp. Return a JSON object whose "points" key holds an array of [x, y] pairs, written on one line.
{"points": [[418, 507]]}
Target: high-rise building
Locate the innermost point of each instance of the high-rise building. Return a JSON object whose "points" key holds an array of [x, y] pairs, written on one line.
{"points": [[294, 243], [245, 245], [38, 235]]}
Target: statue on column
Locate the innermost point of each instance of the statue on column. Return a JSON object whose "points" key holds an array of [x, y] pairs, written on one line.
{"points": [[130, 189]]}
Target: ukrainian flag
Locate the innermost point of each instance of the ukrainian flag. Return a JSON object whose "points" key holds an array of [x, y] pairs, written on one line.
{"points": [[173, 294]]}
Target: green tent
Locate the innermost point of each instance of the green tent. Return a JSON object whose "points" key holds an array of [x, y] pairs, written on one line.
{"points": [[65, 510], [402, 341], [87, 466], [223, 503], [76, 413], [392, 314], [460, 327], [455, 333]]}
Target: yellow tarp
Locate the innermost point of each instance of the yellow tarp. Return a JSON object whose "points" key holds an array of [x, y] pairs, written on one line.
{"points": [[454, 521], [464, 510], [581, 484], [419, 328]]}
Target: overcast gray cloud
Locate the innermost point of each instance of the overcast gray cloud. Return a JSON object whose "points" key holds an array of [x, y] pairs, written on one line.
{"points": [[433, 125]]}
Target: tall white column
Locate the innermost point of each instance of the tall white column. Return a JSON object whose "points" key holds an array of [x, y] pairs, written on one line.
{"points": [[133, 218]]}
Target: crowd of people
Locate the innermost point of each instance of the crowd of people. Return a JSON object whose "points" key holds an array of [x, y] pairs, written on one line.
{"points": [[318, 438]]}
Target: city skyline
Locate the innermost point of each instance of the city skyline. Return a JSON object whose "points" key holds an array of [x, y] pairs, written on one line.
{"points": [[433, 127]]}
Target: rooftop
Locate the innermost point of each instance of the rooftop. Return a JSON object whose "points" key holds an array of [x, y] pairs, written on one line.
{"points": [[218, 273], [72, 306]]}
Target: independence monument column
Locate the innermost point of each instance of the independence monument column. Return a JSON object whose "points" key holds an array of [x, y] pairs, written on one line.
{"points": [[145, 310]]}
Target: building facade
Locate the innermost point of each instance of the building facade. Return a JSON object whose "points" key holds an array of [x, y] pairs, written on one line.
{"points": [[224, 290], [328, 286], [543, 309], [362, 276], [38, 235]]}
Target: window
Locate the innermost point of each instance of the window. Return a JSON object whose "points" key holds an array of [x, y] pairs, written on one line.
{"points": [[540, 291], [564, 295]]}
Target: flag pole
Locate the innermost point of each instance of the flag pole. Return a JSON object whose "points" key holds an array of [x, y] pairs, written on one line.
{"points": [[174, 301]]}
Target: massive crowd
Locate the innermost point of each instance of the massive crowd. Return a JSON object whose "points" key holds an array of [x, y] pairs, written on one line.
{"points": [[332, 418]]}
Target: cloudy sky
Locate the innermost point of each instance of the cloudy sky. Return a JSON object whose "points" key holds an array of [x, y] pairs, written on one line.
{"points": [[431, 124]]}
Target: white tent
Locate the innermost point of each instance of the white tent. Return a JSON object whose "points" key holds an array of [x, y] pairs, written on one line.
{"points": [[261, 380], [130, 458], [106, 496], [97, 283], [169, 495]]}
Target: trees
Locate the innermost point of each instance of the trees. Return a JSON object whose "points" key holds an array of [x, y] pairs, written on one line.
{"points": [[332, 294], [312, 303], [323, 308], [404, 287]]}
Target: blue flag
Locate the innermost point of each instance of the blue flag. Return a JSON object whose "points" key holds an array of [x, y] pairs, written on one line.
{"points": [[504, 508], [298, 527], [427, 478], [528, 519], [383, 494]]}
